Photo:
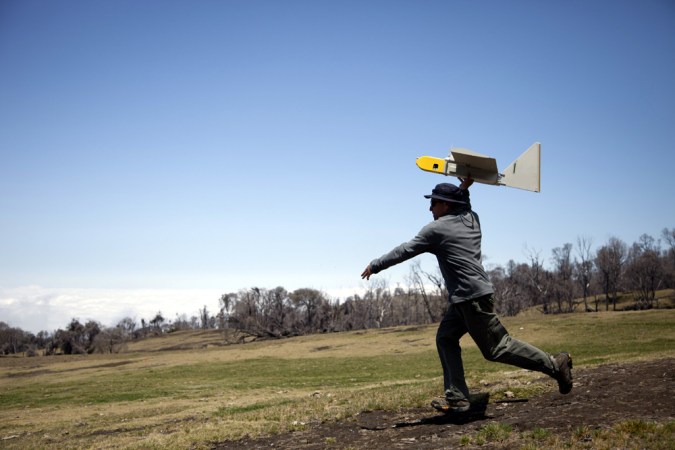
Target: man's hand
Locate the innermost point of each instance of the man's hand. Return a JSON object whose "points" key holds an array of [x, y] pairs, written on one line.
{"points": [[366, 273], [466, 182]]}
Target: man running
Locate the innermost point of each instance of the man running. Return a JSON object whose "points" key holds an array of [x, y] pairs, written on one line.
{"points": [[454, 237]]}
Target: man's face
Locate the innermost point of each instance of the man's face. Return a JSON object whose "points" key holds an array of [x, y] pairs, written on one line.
{"points": [[438, 208]]}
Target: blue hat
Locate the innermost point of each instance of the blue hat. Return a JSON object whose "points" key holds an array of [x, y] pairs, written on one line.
{"points": [[448, 192]]}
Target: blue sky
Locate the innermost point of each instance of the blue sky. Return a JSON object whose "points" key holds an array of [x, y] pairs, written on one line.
{"points": [[155, 154]]}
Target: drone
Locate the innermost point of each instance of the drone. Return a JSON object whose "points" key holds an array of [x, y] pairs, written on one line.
{"points": [[523, 173]]}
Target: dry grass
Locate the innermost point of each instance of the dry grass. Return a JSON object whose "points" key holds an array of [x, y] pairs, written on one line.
{"points": [[147, 398]]}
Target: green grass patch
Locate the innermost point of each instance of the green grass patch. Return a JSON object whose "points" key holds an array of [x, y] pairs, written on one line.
{"points": [[538, 434], [491, 433], [594, 338]]}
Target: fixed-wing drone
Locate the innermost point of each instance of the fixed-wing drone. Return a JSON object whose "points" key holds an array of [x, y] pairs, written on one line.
{"points": [[523, 173]]}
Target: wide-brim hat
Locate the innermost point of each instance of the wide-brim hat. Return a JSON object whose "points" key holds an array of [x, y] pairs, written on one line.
{"points": [[448, 192]]}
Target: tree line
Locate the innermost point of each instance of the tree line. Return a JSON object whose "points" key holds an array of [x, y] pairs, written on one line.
{"points": [[577, 279]]}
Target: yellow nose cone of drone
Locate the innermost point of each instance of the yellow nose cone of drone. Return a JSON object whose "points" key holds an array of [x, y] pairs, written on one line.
{"points": [[431, 164]]}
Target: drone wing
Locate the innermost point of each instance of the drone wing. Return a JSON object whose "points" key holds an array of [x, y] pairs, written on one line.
{"points": [[471, 164]]}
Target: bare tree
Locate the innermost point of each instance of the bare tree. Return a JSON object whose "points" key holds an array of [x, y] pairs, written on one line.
{"points": [[563, 287], [181, 322], [539, 281], [245, 312], [583, 267], [353, 313], [413, 308], [91, 329], [43, 340], [308, 302], [227, 302], [380, 301], [644, 271], [510, 285], [669, 266], [14, 340], [609, 260], [110, 340], [204, 317], [434, 304], [278, 311], [128, 326], [193, 323], [257, 312]]}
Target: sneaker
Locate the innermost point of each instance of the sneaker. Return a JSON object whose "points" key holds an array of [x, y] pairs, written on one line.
{"points": [[446, 406], [563, 366]]}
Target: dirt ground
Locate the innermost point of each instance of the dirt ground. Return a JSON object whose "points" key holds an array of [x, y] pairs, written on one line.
{"points": [[601, 397]]}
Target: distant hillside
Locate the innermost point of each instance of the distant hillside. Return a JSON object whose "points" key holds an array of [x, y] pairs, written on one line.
{"points": [[178, 340], [199, 339]]}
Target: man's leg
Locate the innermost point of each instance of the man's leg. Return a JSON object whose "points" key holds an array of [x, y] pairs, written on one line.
{"points": [[494, 341], [450, 330]]}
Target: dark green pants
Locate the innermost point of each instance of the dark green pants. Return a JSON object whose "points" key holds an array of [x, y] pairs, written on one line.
{"points": [[477, 317]]}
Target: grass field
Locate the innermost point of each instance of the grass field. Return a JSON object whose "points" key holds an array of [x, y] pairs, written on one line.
{"points": [[154, 396]]}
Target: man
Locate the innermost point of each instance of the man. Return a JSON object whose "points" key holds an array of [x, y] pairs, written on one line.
{"points": [[455, 238]]}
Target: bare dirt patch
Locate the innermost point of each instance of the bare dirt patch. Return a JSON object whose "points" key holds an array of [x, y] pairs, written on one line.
{"points": [[602, 396]]}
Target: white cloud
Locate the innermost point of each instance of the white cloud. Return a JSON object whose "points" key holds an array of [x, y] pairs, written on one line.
{"points": [[34, 308]]}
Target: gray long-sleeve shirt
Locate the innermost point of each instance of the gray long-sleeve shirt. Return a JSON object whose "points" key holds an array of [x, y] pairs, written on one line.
{"points": [[455, 239]]}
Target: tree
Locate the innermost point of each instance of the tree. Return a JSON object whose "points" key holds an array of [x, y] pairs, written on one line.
{"points": [[128, 327], [157, 322], [609, 261], [583, 268], [411, 307], [539, 281], [14, 340], [308, 302], [563, 287], [90, 331], [250, 313], [645, 271], [434, 304], [278, 311], [245, 312], [380, 303], [352, 313], [204, 318], [510, 285], [43, 339], [110, 340], [669, 255], [226, 302], [181, 322]]}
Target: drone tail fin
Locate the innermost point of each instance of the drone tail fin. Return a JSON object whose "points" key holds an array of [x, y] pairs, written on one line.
{"points": [[525, 171]]}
